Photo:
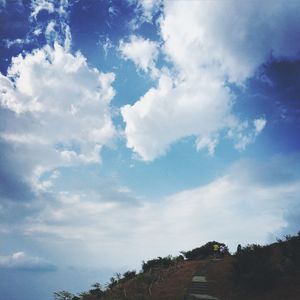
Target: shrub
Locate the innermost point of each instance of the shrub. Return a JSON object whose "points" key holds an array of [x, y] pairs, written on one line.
{"points": [[161, 262], [253, 268], [291, 253], [129, 275], [63, 295], [202, 252]]}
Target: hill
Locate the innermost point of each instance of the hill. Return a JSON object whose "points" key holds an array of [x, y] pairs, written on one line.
{"points": [[254, 272]]}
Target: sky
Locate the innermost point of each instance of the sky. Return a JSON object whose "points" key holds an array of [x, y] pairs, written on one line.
{"points": [[139, 128]]}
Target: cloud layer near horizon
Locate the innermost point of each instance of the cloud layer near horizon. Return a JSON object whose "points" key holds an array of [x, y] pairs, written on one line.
{"points": [[251, 192], [22, 262]]}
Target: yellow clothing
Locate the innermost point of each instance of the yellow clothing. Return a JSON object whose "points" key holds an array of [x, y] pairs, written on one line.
{"points": [[216, 247]]}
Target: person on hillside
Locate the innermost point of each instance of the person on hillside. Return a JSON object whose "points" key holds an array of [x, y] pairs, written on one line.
{"points": [[216, 248], [222, 250]]}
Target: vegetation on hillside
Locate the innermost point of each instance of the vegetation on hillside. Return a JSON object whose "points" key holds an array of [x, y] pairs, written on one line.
{"points": [[252, 270], [259, 268], [204, 251]]}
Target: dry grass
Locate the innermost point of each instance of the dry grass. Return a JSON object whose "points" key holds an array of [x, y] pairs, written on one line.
{"points": [[175, 285], [172, 283]]}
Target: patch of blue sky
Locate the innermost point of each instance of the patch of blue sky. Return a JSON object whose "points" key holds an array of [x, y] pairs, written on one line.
{"points": [[162, 176], [14, 25], [90, 20], [147, 180], [129, 84], [273, 95], [149, 30]]}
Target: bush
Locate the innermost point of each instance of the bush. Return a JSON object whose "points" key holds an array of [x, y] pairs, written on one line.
{"points": [[291, 253], [202, 252], [63, 295], [129, 275], [160, 262], [253, 268]]}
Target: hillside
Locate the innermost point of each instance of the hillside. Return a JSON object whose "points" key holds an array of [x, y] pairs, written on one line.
{"points": [[254, 272]]}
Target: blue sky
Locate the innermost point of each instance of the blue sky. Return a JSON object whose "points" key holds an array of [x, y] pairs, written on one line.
{"points": [[139, 128]]}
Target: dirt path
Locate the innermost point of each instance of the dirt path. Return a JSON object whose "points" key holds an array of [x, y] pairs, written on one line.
{"points": [[200, 287]]}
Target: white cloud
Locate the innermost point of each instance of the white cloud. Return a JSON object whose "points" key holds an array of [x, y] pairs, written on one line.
{"points": [[209, 47], [145, 11], [10, 43], [61, 109], [259, 125], [207, 142], [225, 209], [39, 5], [197, 107], [107, 45], [243, 133], [21, 261], [148, 7], [142, 52], [204, 34], [57, 29], [50, 6]]}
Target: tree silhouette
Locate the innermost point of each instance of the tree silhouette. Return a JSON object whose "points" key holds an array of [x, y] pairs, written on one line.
{"points": [[63, 295]]}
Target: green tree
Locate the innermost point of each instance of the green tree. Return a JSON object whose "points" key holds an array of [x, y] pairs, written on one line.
{"points": [[253, 268], [203, 252], [160, 262], [113, 282], [63, 295], [97, 290], [129, 275]]}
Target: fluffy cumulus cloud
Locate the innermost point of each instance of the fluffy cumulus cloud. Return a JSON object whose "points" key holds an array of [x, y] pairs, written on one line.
{"points": [[23, 262], [250, 192], [200, 106], [142, 52], [209, 47], [59, 110], [204, 34]]}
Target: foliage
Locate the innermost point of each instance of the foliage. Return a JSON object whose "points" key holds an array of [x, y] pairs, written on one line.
{"points": [[129, 275], [238, 249], [97, 291], [203, 252], [290, 253], [160, 262], [253, 268], [63, 295], [113, 282]]}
